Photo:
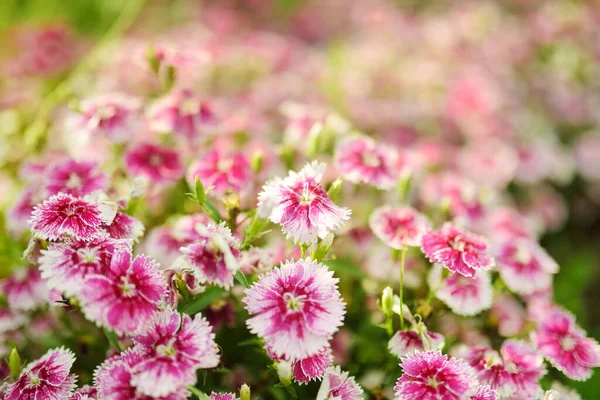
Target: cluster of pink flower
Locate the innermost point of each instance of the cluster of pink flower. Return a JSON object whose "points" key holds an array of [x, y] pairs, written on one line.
{"points": [[144, 210]]}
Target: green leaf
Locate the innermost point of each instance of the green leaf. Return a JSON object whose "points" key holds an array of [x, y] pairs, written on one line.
{"points": [[112, 339], [198, 393], [212, 211], [201, 301], [199, 192], [241, 278]]}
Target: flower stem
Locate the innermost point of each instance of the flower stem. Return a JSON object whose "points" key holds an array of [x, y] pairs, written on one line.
{"points": [[402, 262]]}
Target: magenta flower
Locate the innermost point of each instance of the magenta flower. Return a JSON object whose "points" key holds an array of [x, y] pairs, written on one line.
{"points": [[183, 114], [155, 163], [47, 378], [337, 385], [459, 251], [115, 376], [301, 206], [173, 347], [85, 393], [465, 296], [66, 265], [18, 214], [312, 367], [222, 396], [124, 226], [224, 171], [76, 178], [63, 214], [525, 266], [296, 307], [566, 345], [362, 160], [484, 392], [126, 296], [24, 289], [213, 256], [415, 340], [432, 375], [399, 226], [509, 314]]}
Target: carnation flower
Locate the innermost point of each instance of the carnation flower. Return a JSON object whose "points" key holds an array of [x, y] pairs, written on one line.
{"points": [[76, 178], [115, 376], [222, 396], [222, 171], [124, 226], [173, 347], [24, 289], [63, 214], [509, 314], [459, 251], [45, 378], [415, 340], [312, 367], [296, 307], [301, 206], [155, 163], [126, 296], [361, 160], [18, 214], [525, 266], [484, 393], [566, 345], [213, 257], [86, 393], [399, 226], [66, 265], [337, 385], [432, 375], [464, 295], [183, 114]]}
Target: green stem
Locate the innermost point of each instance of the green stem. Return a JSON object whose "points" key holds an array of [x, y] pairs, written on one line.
{"points": [[402, 262], [198, 393]]}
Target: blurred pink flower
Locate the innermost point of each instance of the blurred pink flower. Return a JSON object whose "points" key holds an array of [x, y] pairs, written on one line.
{"points": [[222, 171], [399, 226], [156, 163]]}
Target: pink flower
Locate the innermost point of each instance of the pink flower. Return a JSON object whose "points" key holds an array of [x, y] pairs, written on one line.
{"points": [[484, 392], [114, 115], [296, 307], [586, 155], [399, 226], [47, 378], [126, 296], [301, 206], [76, 178], [566, 345], [18, 214], [464, 295], [153, 162], [213, 256], [432, 375], [173, 347], [66, 265], [362, 160], [509, 314], [459, 251], [337, 385], [124, 226], [312, 367], [86, 393], [63, 214], [183, 114], [415, 340], [115, 376], [525, 266], [494, 168], [508, 223], [24, 289], [222, 396], [222, 170]]}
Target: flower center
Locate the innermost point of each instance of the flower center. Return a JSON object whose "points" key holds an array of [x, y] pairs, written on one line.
{"points": [[74, 181], [370, 159], [225, 164], [458, 244], [293, 303], [523, 256], [567, 343], [190, 107], [106, 112], [166, 349], [155, 160], [433, 383], [127, 288], [34, 380], [87, 255]]}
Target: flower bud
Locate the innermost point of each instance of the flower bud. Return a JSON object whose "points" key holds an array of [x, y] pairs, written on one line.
{"points": [[14, 363], [387, 301], [244, 392], [256, 163], [284, 371], [335, 190]]}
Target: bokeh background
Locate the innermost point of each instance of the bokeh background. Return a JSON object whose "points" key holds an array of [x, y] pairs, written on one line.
{"points": [[525, 71]]}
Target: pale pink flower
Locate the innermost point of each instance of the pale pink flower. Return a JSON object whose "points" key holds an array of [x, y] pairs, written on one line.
{"points": [[301, 206], [566, 345], [312, 367], [213, 256], [509, 314], [18, 214], [415, 340], [63, 214], [126, 296], [173, 347], [86, 393], [155, 163], [459, 251], [66, 265], [398, 227], [362, 160], [221, 170], [76, 178], [565, 392], [112, 115], [525, 266], [182, 113], [432, 375], [24, 289], [484, 392], [495, 168], [507, 223], [296, 308], [47, 378], [337, 385], [464, 295], [114, 380], [222, 396], [124, 226]]}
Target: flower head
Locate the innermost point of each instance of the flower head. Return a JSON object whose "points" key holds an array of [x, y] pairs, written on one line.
{"points": [[221, 170], [25, 289], [156, 163], [459, 251], [45, 378], [399, 226], [85, 393], [464, 295], [124, 226], [296, 307], [415, 340], [337, 385], [173, 347], [77, 178], [222, 396], [126, 296], [301, 206], [312, 367]]}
